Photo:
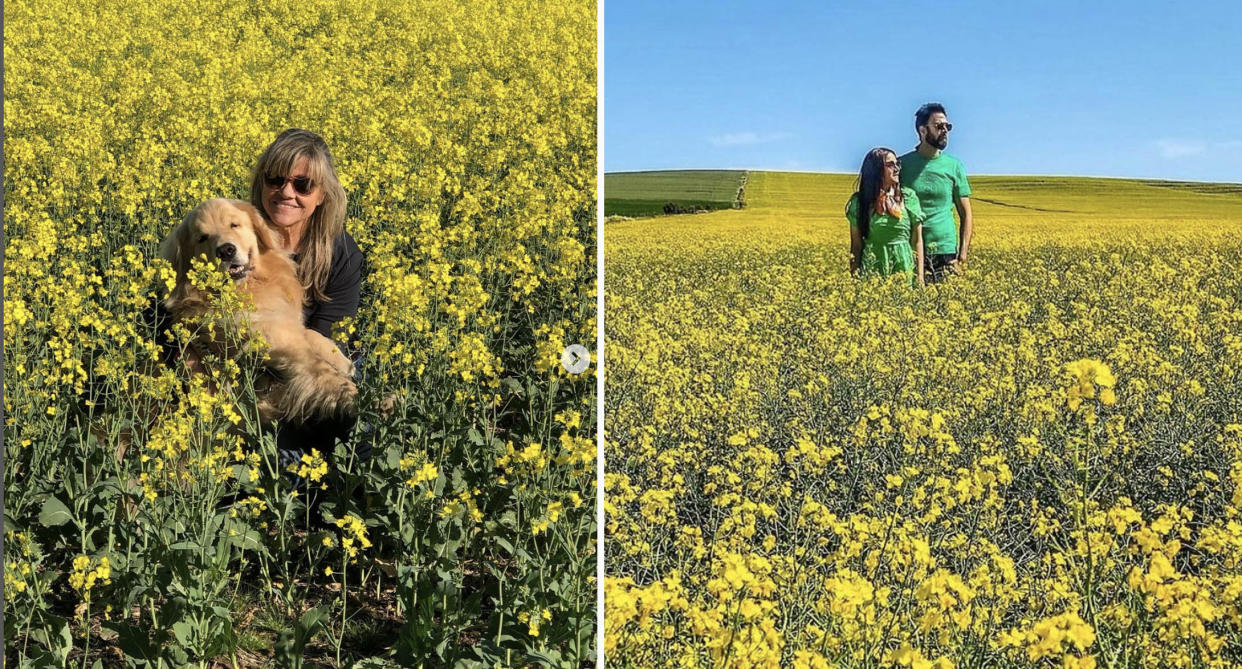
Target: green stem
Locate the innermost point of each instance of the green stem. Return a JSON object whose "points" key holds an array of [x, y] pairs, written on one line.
{"points": [[501, 606], [86, 632], [340, 639]]}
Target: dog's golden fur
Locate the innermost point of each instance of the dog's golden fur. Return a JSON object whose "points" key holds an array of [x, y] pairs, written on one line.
{"points": [[315, 375]]}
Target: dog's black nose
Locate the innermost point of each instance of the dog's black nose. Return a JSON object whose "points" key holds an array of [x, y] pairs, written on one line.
{"points": [[226, 251]]}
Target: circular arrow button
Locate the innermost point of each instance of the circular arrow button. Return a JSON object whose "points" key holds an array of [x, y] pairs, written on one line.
{"points": [[575, 358]]}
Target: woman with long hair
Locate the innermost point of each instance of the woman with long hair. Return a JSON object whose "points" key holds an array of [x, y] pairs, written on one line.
{"points": [[886, 231], [295, 187]]}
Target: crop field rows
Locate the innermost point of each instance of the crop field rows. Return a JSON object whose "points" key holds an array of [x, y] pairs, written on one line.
{"points": [[1036, 464], [647, 193]]}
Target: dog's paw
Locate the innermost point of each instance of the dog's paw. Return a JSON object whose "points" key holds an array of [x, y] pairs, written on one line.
{"points": [[347, 400], [345, 366], [338, 362]]}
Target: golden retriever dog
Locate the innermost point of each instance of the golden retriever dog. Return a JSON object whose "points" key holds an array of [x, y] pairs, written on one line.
{"points": [[315, 377]]}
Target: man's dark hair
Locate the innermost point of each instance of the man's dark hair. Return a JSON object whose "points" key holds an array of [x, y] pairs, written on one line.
{"points": [[925, 112]]}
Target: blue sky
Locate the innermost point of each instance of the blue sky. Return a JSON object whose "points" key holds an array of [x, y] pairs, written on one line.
{"points": [[1128, 89]]}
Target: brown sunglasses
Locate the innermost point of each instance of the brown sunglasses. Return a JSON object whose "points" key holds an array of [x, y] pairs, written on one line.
{"points": [[303, 185]]}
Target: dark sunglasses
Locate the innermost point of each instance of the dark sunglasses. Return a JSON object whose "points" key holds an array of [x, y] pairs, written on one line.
{"points": [[944, 126], [303, 185], [894, 165]]}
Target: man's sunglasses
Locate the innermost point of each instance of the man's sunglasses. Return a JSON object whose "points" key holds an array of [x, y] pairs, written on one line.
{"points": [[303, 185], [944, 126]]}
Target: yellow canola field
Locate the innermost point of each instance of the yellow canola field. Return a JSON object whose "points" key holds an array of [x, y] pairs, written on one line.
{"points": [[146, 519], [1036, 464]]}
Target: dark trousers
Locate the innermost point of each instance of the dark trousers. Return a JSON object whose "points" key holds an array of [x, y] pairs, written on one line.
{"points": [[936, 266]]}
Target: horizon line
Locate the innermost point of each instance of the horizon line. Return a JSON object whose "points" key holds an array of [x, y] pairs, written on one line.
{"points": [[981, 174]]}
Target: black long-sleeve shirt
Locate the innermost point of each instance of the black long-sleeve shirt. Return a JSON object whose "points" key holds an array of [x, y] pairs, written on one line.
{"points": [[343, 289]]}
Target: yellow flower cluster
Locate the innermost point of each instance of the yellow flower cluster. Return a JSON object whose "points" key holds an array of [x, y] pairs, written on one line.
{"points": [[312, 466], [1035, 464], [534, 621], [87, 572], [353, 534], [1050, 637], [18, 567], [1085, 376], [252, 507], [425, 474]]}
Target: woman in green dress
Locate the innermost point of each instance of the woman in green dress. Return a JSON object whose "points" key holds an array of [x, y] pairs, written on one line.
{"points": [[886, 223]]}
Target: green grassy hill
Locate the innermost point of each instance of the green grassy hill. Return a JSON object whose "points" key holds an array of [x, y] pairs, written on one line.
{"points": [[647, 193]]}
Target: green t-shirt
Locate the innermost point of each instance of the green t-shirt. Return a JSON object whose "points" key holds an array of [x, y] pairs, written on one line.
{"points": [[939, 183], [887, 248]]}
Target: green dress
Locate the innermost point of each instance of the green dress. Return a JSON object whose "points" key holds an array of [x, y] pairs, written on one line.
{"points": [[887, 249]]}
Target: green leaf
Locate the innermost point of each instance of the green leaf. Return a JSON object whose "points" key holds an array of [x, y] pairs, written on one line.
{"points": [[183, 632], [552, 658], [53, 635], [136, 642], [247, 541], [66, 638], [54, 513], [107, 488], [291, 645], [513, 385], [504, 543]]}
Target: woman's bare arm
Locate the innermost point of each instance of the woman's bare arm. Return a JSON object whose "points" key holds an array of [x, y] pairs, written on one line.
{"points": [[916, 237], [856, 245]]}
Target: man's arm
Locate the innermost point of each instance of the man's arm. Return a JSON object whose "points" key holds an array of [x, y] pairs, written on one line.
{"points": [[968, 227]]}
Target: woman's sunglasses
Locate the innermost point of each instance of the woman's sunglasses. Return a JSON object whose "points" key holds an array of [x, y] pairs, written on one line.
{"points": [[303, 185]]}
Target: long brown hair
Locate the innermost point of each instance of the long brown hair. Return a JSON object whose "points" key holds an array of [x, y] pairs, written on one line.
{"points": [[328, 220], [870, 179]]}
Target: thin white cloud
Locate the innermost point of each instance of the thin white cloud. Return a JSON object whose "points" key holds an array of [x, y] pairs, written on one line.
{"points": [[748, 138], [1188, 148]]}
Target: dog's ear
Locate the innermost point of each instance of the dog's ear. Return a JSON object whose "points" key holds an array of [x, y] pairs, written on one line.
{"points": [[262, 231], [173, 249]]}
